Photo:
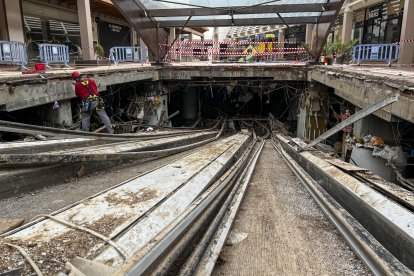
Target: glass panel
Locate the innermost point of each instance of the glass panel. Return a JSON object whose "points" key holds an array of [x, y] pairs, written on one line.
{"points": [[240, 16], [182, 4], [392, 31]]}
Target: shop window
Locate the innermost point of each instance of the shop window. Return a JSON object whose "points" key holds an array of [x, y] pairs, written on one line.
{"points": [[46, 24], [382, 23]]}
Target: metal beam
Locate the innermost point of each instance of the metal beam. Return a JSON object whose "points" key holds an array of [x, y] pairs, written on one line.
{"points": [[244, 22], [352, 119], [317, 7], [50, 131], [189, 30], [321, 32], [137, 15], [293, 32]]}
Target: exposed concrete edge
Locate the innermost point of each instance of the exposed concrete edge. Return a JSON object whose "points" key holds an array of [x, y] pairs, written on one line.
{"points": [[363, 92], [273, 73], [60, 87]]}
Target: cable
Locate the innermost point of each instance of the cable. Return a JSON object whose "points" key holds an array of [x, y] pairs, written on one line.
{"points": [[27, 257], [87, 230]]}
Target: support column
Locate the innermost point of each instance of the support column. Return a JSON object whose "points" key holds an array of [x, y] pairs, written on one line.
{"points": [[190, 38], [313, 112], [61, 115], [11, 22], [134, 37], [95, 32], [347, 25], [406, 54], [309, 31], [85, 24], [281, 41], [216, 46], [171, 37]]}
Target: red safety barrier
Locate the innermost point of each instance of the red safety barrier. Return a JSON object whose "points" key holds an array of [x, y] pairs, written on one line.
{"points": [[405, 41], [233, 48], [234, 42]]}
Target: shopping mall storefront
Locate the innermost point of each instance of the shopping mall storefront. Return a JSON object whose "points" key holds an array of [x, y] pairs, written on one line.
{"points": [[44, 23], [380, 23]]}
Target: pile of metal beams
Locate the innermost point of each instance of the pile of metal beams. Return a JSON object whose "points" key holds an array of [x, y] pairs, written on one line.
{"points": [[25, 166], [374, 216], [144, 224]]}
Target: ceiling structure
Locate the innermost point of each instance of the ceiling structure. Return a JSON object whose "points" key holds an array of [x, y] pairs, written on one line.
{"points": [[151, 17]]}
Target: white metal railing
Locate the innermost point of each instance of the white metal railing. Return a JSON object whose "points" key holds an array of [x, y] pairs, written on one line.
{"points": [[128, 54], [54, 53], [13, 53], [375, 52]]}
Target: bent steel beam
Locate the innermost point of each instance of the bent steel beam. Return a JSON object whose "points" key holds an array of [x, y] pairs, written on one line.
{"points": [[147, 28], [322, 29], [352, 119]]}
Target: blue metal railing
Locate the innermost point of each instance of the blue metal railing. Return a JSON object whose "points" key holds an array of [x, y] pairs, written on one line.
{"points": [[375, 52], [14, 53], [54, 53], [128, 54]]}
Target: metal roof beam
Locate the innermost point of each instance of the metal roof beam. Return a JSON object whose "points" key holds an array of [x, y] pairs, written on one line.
{"points": [[146, 27], [291, 8], [244, 22]]}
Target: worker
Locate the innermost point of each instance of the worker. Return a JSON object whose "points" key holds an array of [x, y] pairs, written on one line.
{"points": [[87, 90]]}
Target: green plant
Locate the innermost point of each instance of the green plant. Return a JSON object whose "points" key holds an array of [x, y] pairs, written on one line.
{"points": [[344, 50], [99, 50], [327, 49]]}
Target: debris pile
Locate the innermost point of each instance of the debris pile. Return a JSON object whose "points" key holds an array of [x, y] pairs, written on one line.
{"points": [[277, 127]]}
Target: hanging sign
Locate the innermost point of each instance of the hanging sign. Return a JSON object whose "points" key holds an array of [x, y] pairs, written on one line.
{"points": [[374, 13]]}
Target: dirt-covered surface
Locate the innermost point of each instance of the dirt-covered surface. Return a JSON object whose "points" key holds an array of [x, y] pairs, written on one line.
{"points": [[52, 198], [52, 254], [131, 198], [279, 230], [380, 73]]}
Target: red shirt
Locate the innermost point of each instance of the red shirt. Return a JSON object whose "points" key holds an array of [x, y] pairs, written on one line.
{"points": [[81, 88]]}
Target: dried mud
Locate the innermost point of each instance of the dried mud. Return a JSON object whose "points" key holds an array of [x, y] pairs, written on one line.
{"points": [[51, 255]]}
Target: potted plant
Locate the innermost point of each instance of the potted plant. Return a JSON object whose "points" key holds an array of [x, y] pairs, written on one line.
{"points": [[344, 51], [347, 50], [325, 52], [100, 51]]}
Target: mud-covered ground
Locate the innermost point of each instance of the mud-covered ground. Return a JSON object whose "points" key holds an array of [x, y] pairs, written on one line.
{"points": [[279, 229]]}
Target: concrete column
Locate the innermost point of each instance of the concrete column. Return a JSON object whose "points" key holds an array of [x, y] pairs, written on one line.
{"points": [[171, 38], [216, 47], [95, 32], [190, 38], [85, 24], [160, 111], [190, 105], [301, 126], [309, 31], [281, 40], [13, 21], [61, 115], [134, 37], [3, 25], [347, 25], [406, 54]]}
